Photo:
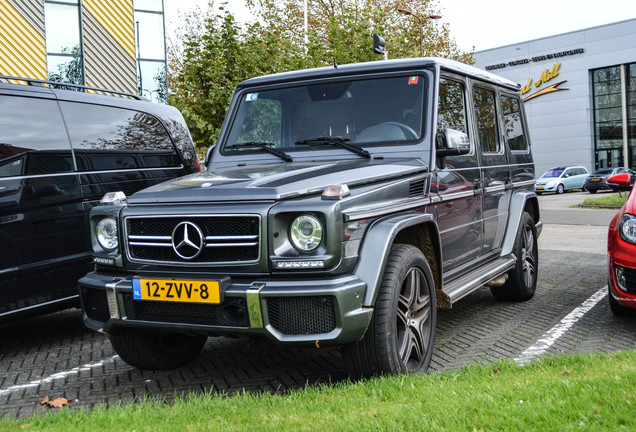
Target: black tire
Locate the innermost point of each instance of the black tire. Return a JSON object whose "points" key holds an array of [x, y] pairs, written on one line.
{"points": [[592, 191], [401, 334], [156, 351], [560, 189], [522, 279], [617, 308]]}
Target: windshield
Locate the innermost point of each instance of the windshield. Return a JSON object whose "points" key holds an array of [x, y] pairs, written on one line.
{"points": [[552, 173], [380, 111]]}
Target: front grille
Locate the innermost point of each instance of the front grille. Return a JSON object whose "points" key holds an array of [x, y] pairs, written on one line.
{"points": [[95, 304], [210, 239], [301, 315], [231, 313]]}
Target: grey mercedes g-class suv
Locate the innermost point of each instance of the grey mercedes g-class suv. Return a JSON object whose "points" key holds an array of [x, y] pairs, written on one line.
{"points": [[341, 206]]}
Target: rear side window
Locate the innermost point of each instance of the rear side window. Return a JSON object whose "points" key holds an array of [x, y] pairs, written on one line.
{"points": [[485, 116], [106, 138], [513, 124], [32, 138]]}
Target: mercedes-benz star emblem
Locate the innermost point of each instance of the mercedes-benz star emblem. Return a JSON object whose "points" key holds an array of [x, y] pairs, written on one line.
{"points": [[187, 240]]}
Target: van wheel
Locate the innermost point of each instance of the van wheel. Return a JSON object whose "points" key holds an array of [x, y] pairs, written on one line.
{"points": [[560, 189], [401, 334], [522, 279], [157, 351]]}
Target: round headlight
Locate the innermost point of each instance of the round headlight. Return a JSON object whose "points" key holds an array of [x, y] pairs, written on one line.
{"points": [[627, 228], [106, 232], [306, 233]]}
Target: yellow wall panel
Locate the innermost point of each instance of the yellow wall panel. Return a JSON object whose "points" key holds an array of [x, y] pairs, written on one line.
{"points": [[117, 17], [22, 48]]}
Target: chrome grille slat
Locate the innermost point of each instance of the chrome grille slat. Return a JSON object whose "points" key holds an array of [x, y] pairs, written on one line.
{"points": [[226, 239]]}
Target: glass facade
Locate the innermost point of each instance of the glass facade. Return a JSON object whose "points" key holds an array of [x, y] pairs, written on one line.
{"points": [[64, 41], [151, 50], [609, 86]]}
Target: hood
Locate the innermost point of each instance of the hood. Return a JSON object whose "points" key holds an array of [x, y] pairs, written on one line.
{"points": [[274, 181]]}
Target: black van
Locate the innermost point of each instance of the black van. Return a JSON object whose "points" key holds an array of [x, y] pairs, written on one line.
{"points": [[60, 152]]}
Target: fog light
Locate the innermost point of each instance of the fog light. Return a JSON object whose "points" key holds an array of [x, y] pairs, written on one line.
{"points": [[620, 278]]}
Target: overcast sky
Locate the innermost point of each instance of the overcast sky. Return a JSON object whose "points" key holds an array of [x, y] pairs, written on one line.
{"points": [[484, 24]]}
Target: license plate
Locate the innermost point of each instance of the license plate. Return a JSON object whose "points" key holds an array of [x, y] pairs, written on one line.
{"points": [[595, 179], [539, 187], [177, 290]]}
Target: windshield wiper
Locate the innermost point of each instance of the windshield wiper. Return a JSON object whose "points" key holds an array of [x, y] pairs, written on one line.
{"points": [[266, 146], [337, 141]]}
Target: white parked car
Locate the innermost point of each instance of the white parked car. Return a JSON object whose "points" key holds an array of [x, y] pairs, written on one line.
{"points": [[561, 179]]}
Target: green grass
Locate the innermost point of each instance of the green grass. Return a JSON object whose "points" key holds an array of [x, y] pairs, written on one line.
{"points": [[613, 200], [595, 392]]}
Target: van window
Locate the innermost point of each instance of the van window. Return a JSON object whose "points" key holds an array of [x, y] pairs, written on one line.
{"points": [[485, 116], [513, 126], [115, 138], [32, 138]]}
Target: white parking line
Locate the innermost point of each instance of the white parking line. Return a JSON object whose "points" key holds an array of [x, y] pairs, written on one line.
{"points": [[59, 375], [548, 339]]}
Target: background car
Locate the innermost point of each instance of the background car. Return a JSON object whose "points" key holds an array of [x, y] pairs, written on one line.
{"points": [[561, 179], [60, 152], [597, 181], [621, 248]]}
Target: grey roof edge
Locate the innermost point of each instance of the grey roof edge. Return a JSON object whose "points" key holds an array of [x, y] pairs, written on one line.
{"points": [[380, 66]]}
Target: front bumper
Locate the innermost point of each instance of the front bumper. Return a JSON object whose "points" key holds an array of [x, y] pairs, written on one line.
{"points": [[297, 312]]}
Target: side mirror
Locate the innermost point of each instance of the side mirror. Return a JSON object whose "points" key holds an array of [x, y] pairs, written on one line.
{"points": [[620, 182], [208, 155], [454, 143]]}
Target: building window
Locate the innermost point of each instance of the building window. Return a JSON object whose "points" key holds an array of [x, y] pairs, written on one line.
{"points": [[63, 42], [151, 50], [630, 77]]}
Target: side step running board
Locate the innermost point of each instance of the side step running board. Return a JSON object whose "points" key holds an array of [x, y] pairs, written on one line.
{"points": [[461, 287]]}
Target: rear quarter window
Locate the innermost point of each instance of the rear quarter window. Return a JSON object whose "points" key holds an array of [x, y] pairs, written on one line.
{"points": [[116, 138]]}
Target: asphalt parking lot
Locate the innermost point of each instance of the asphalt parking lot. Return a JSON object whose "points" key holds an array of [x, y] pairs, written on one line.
{"points": [[56, 355]]}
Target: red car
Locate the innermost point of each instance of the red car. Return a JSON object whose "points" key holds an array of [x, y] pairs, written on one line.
{"points": [[621, 247]]}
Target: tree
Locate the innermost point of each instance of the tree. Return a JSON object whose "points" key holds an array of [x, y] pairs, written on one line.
{"points": [[343, 28], [215, 53]]}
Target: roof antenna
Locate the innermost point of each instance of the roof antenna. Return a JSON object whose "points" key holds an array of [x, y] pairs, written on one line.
{"points": [[335, 65]]}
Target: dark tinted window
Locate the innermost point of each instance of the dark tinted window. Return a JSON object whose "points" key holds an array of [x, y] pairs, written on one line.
{"points": [[486, 120], [513, 126], [106, 128], [32, 137], [451, 112]]}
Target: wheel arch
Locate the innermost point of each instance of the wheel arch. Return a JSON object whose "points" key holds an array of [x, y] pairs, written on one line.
{"points": [[522, 201], [416, 229]]}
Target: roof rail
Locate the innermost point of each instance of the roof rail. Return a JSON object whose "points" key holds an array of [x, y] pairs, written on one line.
{"points": [[53, 84]]}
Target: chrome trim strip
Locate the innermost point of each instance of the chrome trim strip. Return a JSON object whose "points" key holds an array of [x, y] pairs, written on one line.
{"points": [[241, 237], [231, 244], [457, 195], [374, 211], [150, 244], [252, 295], [143, 237], [111, 298], [524, 183], [491, 189]]}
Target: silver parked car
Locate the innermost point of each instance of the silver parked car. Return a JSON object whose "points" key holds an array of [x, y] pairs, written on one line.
{"points": [[561, 179]]}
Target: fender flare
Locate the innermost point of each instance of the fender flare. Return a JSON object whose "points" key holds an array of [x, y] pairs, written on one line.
{"points": [[376, 246], [518, 204]]}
